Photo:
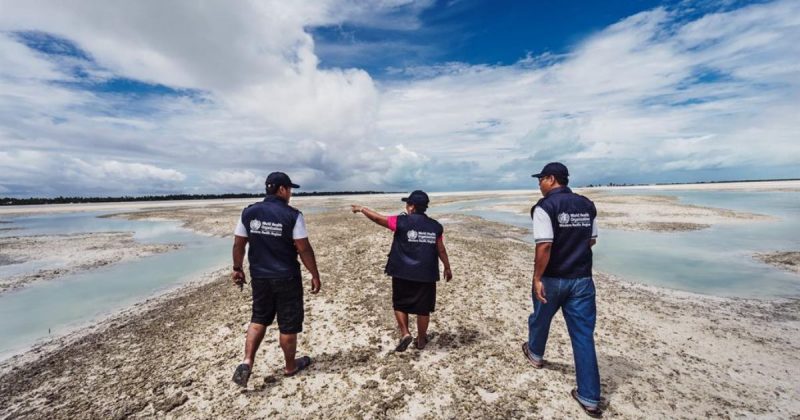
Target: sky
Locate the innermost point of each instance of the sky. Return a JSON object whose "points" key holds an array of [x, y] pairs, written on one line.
{"points": [[150, 97]]}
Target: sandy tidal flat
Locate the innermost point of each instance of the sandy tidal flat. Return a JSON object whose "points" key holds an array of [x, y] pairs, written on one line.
{"points": [[785, 260], [661, 353], [655, 213], [52, 256], [778, 185]]}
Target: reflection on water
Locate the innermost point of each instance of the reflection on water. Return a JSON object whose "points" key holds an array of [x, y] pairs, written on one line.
{"points": [[70, 301], [715, 261], [88, 222]]}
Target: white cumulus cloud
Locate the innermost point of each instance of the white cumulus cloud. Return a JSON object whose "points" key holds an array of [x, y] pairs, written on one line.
{"points": [[657, 96]]}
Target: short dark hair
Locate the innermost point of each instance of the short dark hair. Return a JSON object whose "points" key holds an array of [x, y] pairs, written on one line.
{"points": [[272, 189], [562, 180], [420, 209]]}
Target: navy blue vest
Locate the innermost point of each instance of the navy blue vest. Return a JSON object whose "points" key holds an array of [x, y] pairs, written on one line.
{"points": [[269, 225], [414, 255], [572, 216]]}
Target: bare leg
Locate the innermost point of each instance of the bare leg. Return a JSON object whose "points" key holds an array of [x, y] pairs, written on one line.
{"points": [[402, 323], [255, 334], [422, 330], [289, 347]]}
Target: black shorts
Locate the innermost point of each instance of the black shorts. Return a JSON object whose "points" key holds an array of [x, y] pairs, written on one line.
{"points": [[413, 297], [283, 297]]}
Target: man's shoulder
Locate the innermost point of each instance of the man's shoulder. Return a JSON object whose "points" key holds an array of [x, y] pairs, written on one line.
{"points": [[268, 205], [537, 204], [251, 207], [566, 195], [584, 198], [436, 222], [541, 201]]}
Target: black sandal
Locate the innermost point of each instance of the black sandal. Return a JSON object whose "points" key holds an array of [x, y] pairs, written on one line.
{"points": [[302, 364], [527, 352], [417, 346], [403, 344], [596, 412], [242, 375]]}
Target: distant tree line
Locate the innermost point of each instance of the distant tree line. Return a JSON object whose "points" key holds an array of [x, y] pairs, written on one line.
{"points": [[7, 201]]}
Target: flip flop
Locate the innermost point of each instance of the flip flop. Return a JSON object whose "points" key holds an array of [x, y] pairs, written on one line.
{"points": [[403, 344], [596, 412], [242, 375], [538, 364], [302, 363]]}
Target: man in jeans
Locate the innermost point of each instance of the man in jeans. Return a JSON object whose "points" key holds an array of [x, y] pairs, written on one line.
{"points": [[565, 230], [277, 234]]}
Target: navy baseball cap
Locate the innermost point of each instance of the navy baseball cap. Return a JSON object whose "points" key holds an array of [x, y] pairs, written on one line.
{"points": [[280, 179], [553, 168], [417, 198]]}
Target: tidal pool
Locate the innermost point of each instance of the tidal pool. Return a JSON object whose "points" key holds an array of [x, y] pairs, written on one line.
{"points": [[716, 261], [56, 307]]}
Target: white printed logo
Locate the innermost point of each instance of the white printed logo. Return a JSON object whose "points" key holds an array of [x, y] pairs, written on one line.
{"points": [[574, 220], [266, 228], [421, 237]]}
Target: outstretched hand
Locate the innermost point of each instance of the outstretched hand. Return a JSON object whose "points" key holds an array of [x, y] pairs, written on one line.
{"points": [[356, 208]]}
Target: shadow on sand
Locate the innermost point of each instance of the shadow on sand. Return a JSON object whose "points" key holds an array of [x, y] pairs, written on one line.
{"points": [[457, 338], [615, 370]]}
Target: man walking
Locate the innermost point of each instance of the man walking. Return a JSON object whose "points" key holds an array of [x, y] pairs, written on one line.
{"points": [[564, 230], [277, 234]]}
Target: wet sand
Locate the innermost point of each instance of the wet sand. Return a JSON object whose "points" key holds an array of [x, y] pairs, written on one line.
{"points": [[657, 213], [662, 353], [53, 256], [779, 185], [785, 260]]}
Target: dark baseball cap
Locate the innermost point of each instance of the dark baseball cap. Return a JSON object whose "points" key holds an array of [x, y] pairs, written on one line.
{"points": [[553, 168], [280, 179], [417, 198]]}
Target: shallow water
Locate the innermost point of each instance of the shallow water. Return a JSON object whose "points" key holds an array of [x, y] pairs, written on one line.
{"points": [[716, 261], [88, 222], [63, 304]]}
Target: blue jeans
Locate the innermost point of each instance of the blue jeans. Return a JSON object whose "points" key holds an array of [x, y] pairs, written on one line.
{"points": [[575, 297]]}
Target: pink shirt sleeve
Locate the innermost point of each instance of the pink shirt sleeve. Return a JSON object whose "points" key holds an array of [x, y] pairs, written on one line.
{"points": [[392, 221]]}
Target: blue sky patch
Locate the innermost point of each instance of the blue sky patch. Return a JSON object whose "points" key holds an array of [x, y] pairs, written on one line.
{"points": [[83, 67], [50, 44], [475, 32]]}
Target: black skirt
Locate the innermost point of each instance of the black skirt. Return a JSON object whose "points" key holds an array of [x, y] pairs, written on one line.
{"points": [[413, 297]]}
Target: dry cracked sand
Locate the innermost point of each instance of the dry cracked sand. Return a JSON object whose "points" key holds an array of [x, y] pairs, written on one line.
{"points": [[661, 353]]}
